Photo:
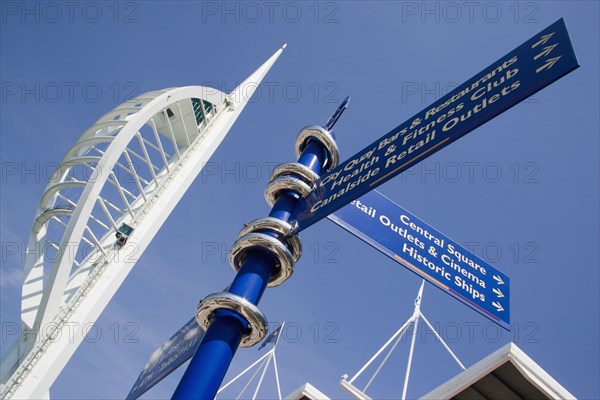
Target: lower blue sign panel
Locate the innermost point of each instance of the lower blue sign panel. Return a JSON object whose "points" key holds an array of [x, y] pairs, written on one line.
{"points": [[430, 254], [167, 358]]}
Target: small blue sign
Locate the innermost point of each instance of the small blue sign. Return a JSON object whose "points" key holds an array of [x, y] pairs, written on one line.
{"points": [[428, 253], [529, 68], [168, 357]]}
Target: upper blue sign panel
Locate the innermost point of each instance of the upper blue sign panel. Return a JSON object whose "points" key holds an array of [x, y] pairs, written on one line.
{"points": [[429, 253], [530, 67]]}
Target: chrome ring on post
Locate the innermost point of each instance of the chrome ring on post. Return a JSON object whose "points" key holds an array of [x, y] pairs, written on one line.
{"points": [[325, 138], [285, 260], [309, 176], [284, 229], [239, 305], [280, 183]]}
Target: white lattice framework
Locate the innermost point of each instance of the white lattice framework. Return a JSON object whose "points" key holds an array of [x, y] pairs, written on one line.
{"points": [[131, 167]]}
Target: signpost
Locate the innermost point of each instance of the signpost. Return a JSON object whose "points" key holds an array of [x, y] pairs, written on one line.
{"points": [[527, 69], [266, 249], [428, 253]]}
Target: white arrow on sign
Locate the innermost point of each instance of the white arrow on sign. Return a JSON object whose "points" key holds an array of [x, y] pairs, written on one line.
{"points": [[546, 51], [498, 306], [543, 40], [498, 279], [498, 292], [549, 63]]}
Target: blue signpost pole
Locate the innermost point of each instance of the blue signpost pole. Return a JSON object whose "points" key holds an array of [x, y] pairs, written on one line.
{"points": [[226, 328]]}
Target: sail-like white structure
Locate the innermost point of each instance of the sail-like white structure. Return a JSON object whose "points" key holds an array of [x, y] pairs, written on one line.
{"points": [[107, 199]]}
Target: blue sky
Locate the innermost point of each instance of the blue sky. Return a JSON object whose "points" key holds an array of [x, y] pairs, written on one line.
{"points": [[530, 206]]}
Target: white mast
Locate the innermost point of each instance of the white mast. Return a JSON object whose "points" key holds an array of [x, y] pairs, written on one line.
{"points": [[413, 320]]}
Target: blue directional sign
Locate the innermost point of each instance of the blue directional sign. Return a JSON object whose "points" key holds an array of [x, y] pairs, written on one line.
{"points": [[430, 254], [530, 67], [167, 358]]}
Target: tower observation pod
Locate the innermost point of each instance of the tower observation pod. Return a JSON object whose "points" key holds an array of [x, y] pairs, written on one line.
{"points": [[107, 199]]}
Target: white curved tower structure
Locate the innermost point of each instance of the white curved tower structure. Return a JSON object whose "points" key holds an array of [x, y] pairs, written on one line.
{"points": [[108, 198]]}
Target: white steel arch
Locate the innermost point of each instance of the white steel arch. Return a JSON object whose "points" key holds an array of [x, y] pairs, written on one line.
{"points": [[131, 167]]}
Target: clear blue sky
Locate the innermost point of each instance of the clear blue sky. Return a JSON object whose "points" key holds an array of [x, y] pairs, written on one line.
{"points": [[530, 204]]}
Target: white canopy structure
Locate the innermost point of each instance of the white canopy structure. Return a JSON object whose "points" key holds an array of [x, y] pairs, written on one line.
{"points": [[507, 373], [107, 199]]}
